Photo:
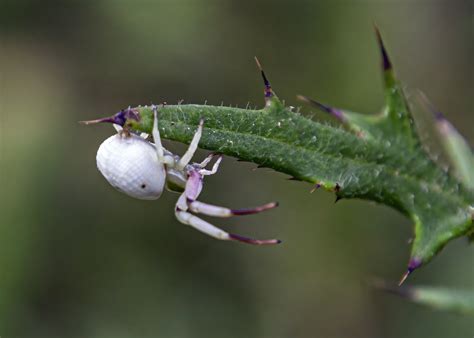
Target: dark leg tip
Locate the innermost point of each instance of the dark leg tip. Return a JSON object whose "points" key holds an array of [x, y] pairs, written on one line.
{"points": [[254, 241], [241, 212]]}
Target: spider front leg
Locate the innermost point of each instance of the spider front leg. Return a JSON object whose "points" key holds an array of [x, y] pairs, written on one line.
{"points": [[187, 201], [160, 151], [215, 167], [156, 135], [208, 159], [188, 155]]}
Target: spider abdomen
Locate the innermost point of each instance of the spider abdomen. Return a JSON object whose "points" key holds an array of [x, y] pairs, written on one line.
{"points": [[130, 164]]}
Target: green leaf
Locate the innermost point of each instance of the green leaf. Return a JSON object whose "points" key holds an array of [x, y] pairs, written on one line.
{"points": [[453, 300], [394, 122], [455, 147], [383, 161]]}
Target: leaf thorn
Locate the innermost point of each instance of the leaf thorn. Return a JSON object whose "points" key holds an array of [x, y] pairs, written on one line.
{"points": [[404, 277], [339, 114], [386, 64], [413, 264], [268, 88], [315, 187]]}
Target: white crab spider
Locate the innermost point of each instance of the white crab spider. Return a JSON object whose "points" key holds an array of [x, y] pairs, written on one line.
{"points": [[142, 169]]}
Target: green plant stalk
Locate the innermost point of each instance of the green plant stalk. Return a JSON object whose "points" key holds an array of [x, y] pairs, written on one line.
{"points": [[383, 161], [339, 161]]}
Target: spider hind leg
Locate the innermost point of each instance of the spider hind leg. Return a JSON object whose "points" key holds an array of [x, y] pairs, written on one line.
{"points": [[188, 201], [213, 231]]}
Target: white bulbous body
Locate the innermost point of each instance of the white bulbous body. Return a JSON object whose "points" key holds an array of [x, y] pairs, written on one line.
{"points": [[130, 164]]}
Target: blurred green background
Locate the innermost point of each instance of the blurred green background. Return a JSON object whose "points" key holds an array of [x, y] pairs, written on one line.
{"points": [[79, 259]]}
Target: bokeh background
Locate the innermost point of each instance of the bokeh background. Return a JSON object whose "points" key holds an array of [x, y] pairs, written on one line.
{"points": [[79, 259]]}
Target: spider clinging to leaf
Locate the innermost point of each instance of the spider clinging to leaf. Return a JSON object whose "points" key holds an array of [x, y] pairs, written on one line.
{"points": [[141, 169]]}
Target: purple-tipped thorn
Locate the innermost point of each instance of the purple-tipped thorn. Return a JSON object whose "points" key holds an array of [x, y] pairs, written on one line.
{"points": [[386, 64], [316, 186], [443, 124], [333, 111], [120, 118], [268, 88], [102, 120], [413, 264]]}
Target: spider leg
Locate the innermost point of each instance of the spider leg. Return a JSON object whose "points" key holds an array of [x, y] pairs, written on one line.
{"points": [[213, 231], [193, 189], [218, 211], [208, 159], [160, 151], [156, 135], [214, 169], [188, 199], [184, 161]]}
